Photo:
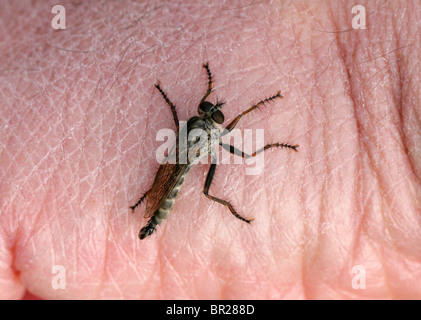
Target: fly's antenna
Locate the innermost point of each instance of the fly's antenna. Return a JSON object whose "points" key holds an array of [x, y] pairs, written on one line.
{"points": [[219, 104]]}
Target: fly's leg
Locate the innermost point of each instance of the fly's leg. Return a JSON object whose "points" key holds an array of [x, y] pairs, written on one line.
{"points": [[208, 183], [234, 122], [210, 82], [173, 110], [237, 152], [145, 195]]}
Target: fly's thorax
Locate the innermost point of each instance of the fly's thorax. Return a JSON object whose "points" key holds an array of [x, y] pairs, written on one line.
{"points": [[195, 140], [202, 135]]}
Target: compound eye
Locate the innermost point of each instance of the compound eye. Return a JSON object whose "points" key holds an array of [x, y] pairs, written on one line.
{"points": [[205, 106], [218, 117]]}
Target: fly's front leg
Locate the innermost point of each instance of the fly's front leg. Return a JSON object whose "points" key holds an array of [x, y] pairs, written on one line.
{"points": [[173, 110], [238, 152], [210, 82], [253, 107], [208, 183], [140, 200]]}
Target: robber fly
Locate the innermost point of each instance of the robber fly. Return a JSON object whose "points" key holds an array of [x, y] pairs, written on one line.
{"points": [[170, 177]]}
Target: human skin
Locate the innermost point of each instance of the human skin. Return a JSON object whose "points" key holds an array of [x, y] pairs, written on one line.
{"points": [[78, 124]]}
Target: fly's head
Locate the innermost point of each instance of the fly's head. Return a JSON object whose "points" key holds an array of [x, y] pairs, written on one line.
{"points": [[212, 111]]}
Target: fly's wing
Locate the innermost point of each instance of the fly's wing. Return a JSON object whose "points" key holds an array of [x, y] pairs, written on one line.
{"points": [[167, 177], [168, 174]]}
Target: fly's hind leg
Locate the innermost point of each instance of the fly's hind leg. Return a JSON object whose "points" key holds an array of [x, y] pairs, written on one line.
{"points": [[145, 195], [172, 106], [208, 183]]}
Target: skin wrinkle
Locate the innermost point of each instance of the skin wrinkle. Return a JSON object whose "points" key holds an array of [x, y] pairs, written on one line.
{"points": [[393, 50], [359, 234], [165, 266], [354, 242], [105, 274], [401, 111], [315, 247], [132, 263], [398, 135], [374, 171], [305, 214]]}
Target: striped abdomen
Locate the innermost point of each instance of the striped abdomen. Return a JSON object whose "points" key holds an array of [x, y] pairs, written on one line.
{"points": [[164, 210]]}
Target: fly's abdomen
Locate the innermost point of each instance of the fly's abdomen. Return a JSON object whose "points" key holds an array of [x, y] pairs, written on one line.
{"points": [[164, 210]]}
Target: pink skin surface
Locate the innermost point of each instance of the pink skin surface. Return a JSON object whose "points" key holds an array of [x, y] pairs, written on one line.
{"points": [[78, 125]]}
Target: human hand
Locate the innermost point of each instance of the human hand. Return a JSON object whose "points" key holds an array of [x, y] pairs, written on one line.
{"points": [[78, 129]]}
